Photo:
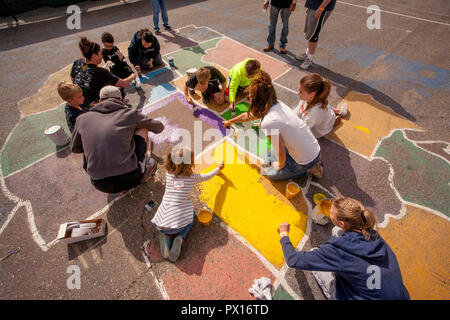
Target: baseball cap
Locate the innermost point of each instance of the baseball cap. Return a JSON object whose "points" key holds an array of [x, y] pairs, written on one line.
{"points": [[110, 92]]}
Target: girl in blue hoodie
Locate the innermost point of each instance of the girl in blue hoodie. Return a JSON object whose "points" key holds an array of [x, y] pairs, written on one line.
{"points": [[364, 265]]}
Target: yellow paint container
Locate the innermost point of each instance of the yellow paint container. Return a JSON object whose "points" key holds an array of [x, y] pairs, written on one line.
{"points": [[205, 217], [319, 197], [292, 189], [325, 206]]}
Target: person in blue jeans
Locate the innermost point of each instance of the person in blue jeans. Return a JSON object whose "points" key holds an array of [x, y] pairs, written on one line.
{"points": [[295, 150], [160, 6], [281, 8]]}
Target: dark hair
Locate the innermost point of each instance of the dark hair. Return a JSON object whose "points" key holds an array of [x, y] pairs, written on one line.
{"points": [[147, 35], [88, 48], [107, 37], [322, 87], [261, 94], [252, 66]]}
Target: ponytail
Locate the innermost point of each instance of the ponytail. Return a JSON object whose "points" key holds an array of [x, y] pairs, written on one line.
{"points": [[88, 48], [322, 88], [356, 216]]}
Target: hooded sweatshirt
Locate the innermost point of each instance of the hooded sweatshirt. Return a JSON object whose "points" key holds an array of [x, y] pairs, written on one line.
{"points": [[136, 51], [357, 263], [105, 135]]}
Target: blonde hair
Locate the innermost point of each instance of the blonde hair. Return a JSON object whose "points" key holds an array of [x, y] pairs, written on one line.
{"points": [[203, 75], [180, 162], [67, 90], [322, 87], [355, 215]]}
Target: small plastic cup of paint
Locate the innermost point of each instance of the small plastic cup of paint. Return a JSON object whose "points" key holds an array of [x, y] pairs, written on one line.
{"points": [[292, 189], [205, 217]]}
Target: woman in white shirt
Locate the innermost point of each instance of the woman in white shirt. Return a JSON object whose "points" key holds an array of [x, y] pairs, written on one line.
{"points": [[296, 151], [313, 107]]}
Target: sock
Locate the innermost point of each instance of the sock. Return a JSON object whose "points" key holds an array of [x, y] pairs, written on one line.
{"points": [[310, 56]]}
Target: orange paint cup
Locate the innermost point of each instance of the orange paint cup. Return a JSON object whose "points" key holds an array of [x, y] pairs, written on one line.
{"points": [[292, 189], [325, 206], [205, 217]]}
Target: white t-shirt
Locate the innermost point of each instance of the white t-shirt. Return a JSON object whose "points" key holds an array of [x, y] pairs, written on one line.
{"points": [[301, 143], [320, 121]]}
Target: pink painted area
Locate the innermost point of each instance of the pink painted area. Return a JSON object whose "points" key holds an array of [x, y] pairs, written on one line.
{"points": [[236, 52], [214, 265]]}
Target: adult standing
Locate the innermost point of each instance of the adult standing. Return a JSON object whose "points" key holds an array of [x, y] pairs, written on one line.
{"points": [[295, 150], [92, 78], [281, 8], [144, 50], [317, 13], [160, 6], [114, 140]]}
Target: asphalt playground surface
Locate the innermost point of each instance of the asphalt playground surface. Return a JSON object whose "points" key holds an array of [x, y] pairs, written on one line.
{"points": [[392, 153]]}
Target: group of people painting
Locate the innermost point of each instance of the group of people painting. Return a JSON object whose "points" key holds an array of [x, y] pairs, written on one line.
{"points": [[113, 138]]}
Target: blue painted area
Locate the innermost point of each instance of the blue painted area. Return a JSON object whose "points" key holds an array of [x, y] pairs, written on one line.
{"points": [[361, 55], [161, 91], [416, 72], [149, 76]]}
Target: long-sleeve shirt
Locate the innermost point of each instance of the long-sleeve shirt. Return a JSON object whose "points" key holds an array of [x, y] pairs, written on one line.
{"points": [[176, 209], [364, 269], [237, 79]]}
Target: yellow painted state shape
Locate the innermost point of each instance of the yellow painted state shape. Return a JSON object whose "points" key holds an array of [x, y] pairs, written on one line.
{"points": [[366, 123], [421, 242], [251, 205]]}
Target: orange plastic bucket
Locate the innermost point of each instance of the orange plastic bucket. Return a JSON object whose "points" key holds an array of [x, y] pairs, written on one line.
{"points": [[325, 206], [292, 189], [205, 217]]}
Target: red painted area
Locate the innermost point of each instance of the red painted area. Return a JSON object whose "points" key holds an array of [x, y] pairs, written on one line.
{"points": [[215, 265]]}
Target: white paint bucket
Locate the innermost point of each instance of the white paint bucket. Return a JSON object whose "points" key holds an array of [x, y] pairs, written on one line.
{"points": [[190, 72], [57, 135]]}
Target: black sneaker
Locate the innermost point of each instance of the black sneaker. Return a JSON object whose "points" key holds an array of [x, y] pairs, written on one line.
{"points": [[168, 28], [157, 32], [205, 99]]}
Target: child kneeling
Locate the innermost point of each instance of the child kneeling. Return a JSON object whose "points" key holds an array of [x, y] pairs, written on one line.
{"points": [[175, 216]]}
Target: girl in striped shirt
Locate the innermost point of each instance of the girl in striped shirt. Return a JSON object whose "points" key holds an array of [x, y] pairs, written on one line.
{"points": [[175, 216]]}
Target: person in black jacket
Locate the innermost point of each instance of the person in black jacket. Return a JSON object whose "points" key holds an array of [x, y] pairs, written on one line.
{"points": [[143, 51], [112, 55]]}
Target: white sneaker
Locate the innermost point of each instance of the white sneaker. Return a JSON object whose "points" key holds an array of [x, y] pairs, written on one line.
{"points": [[306, 64], [343, 110], [301, 57]]}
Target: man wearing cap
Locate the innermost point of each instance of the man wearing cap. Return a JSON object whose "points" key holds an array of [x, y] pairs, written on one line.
{"points": [[114, 140]]}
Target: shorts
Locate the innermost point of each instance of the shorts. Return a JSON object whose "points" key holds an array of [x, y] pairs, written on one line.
{"points": [[128, 180], [313, 26]]}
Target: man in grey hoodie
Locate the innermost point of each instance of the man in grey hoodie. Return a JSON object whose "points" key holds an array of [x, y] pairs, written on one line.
{"points": [[114, 140]]}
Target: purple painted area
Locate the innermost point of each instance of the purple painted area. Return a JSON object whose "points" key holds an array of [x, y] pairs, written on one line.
{"points": [[200, 113]]}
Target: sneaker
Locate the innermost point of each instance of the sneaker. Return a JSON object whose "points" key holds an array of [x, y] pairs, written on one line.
{"points": [[150, 169], [268, 48], [306, 64], [168, 28], [174, 252], [301, 57], [158, 32], [283, 50], [343, 110], [318, 170], [205, 99], [164, 245]]}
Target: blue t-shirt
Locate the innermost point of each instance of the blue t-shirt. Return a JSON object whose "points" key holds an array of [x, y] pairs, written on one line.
{"points": [[315, 4]]}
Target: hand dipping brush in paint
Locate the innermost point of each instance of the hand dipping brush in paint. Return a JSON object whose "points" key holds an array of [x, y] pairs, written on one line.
{"points": [[356, 263], [174, 217], [313, 107]]}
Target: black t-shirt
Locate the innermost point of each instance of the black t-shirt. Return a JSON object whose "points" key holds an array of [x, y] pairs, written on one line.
{"points": [[72, 115], [120, 68], [281, 3], [91, 80], [315, 4], [77, 66], [213, 85]]}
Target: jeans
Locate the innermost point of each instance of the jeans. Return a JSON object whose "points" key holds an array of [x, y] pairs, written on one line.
{"points": [[291, 169], [183, 231], [284, 13], [157, 6]]}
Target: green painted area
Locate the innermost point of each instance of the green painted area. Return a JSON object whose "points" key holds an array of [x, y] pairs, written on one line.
{"points": [[420, 177], [28, 144], [191, 57], [263, 145], [281, 294]]}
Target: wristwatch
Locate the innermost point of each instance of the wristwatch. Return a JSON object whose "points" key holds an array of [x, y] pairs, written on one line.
{"points": [[284, 234]]}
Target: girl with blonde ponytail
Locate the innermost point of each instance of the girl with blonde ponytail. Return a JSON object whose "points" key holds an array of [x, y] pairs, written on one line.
{"points": [[356, 263], [313, 107]]}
